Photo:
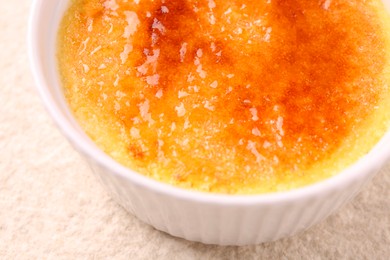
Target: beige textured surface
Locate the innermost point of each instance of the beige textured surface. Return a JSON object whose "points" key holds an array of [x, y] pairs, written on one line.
{"points": [[52, 207]]}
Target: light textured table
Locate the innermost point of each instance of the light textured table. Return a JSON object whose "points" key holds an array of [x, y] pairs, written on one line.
{"points": [[51, 206]]}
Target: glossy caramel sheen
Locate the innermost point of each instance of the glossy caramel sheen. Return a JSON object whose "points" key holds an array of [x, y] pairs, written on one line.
{"points": [[229, 96]]}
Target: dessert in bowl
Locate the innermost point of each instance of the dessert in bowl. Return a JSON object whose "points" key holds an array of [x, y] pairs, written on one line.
{"points": [[226, 98]]}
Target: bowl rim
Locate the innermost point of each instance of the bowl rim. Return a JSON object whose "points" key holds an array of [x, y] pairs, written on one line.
{"points": [[368, 163]]}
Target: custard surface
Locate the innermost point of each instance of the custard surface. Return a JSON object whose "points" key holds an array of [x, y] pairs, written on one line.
{"points": [[237, 97]]}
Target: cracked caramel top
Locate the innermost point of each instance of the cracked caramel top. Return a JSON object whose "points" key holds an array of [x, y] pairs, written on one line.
{"points": [[229, 96]]}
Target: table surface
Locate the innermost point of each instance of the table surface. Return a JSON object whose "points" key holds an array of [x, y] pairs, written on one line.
{"points": [[51, 206]]}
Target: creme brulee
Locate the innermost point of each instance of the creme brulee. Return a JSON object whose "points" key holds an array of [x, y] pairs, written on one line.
{"points": [[239, 97]]}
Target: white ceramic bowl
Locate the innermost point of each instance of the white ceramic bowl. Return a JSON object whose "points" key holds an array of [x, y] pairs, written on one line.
{"points": [[207, 218]]}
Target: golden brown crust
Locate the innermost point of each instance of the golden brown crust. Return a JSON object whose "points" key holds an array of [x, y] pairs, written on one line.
{"points": [[225, 96]]}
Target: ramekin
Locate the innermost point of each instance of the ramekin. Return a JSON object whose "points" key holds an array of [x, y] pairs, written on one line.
{"points": [[195, 216]]}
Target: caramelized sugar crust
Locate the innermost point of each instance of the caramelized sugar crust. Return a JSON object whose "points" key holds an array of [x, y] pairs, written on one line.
{"points": [[224, 96]]}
